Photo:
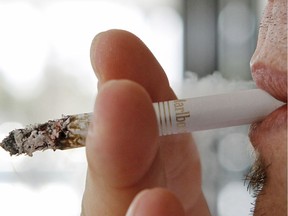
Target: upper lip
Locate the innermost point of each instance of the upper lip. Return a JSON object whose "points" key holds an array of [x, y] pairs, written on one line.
{"points": [[272, 81]]}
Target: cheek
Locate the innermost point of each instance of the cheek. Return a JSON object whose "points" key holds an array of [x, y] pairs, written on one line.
{"points": [[273, 198], [275, 156], [273, 147]]}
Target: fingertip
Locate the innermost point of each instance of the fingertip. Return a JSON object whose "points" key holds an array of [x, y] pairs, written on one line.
{"points": [[155, 202]]}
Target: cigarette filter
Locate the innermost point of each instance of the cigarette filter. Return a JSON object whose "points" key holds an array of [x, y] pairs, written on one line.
{"points": [[174, 117]]}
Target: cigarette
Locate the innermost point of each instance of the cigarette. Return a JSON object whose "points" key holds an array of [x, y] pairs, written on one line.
{"points": [[173, 117]]}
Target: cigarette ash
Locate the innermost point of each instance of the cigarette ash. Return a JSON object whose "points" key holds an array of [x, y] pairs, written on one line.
{"points": [[54, 134]]}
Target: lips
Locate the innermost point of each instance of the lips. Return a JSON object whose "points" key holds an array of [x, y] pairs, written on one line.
{"points": [[270, 79], [262, 133], [269, 66]]}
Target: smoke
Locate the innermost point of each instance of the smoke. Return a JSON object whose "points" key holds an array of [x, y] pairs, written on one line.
{"points": [[193, 86]]}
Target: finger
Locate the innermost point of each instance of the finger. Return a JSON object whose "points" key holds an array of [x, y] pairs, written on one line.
{"points": [[118, 54], [155, 202], [124, 125], [120, 147]]}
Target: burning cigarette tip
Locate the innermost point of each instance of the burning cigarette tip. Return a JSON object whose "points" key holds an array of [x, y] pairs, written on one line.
{"points": [[9, 144], [64, 133]]}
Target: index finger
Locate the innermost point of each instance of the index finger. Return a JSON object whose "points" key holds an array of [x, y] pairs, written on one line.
{"points": [[111, 54]]}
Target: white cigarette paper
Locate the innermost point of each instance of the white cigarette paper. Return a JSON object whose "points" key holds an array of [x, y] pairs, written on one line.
{"points": [[174, 117], [215, 111]]}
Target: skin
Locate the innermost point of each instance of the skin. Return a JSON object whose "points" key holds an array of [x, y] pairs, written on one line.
{"points": [[131, 168], [269, 137], [135, 157]]}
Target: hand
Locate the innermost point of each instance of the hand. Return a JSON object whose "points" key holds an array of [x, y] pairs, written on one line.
{"points": [[124, 152]]}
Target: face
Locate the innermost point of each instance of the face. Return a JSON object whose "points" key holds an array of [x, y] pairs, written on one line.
{"points": [[269, 137]]}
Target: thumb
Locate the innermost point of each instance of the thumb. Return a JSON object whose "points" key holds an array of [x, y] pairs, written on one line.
{"points": [[155, 202], [121, 148]]}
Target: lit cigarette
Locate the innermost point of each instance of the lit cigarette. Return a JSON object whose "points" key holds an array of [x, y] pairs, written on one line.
{"points": [[174, 117]]}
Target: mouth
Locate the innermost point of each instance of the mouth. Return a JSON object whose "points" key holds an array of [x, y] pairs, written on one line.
{"points": [[275, 83], [269, 69]]}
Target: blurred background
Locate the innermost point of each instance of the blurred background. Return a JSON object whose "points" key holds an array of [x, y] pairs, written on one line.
{"points": [[203, 45]]}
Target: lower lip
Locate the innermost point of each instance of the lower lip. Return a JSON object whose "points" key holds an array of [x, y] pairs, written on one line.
{"points": [[274, 122]]}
